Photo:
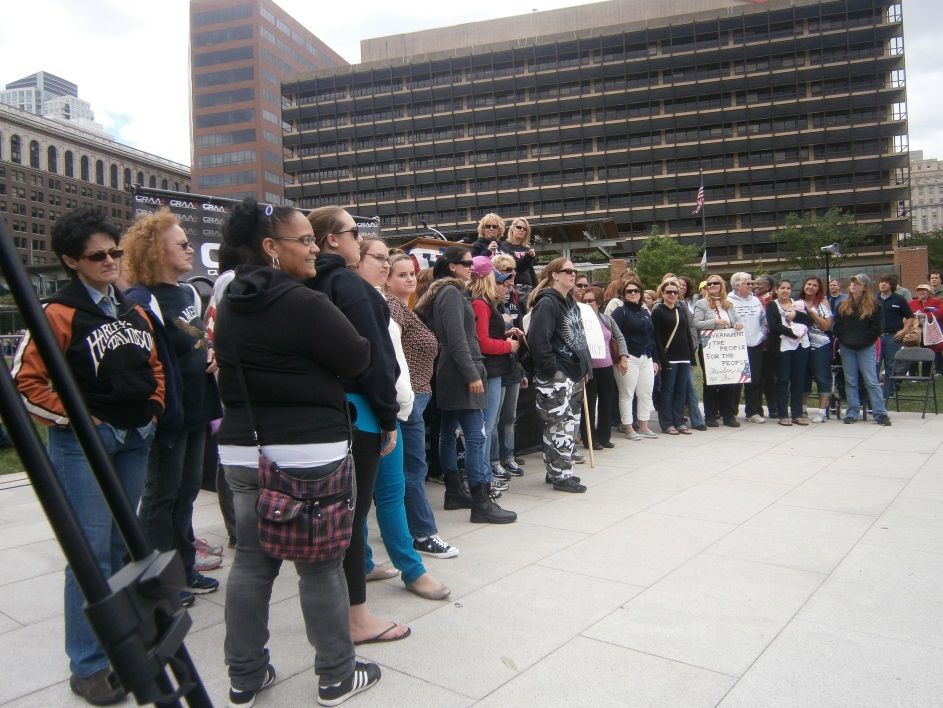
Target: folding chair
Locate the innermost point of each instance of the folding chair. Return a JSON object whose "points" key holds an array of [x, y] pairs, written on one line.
{"points": [[911, 355]]}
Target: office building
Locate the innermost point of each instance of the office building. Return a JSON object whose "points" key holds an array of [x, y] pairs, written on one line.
{"points": [[240, 52], [599, 122], [48, 167], [48, 95], [926, 205]]}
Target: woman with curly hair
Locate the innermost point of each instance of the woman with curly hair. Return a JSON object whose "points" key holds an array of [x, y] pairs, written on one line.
{"points": [[157, 254]]}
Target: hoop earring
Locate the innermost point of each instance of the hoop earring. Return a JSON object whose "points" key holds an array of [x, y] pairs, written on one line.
{"points": [[276, 264]]}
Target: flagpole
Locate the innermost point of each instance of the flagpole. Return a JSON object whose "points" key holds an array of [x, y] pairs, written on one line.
{"points": [[703, 226]]}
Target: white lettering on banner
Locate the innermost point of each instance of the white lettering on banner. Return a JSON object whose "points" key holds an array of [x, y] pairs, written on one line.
{"points": [[186, 218], [148, 200], [209, 257], [213, 207], [725, 358], [176, 203], [209, 232], [112, 335], [213, 220]]}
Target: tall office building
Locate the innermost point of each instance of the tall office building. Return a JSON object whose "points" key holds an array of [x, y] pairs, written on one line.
{"points": [[599, 122], [240, 52], [51, 96], [926, 192]]}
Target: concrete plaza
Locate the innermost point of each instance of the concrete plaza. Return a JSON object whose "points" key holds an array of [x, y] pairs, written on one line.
{"points": [[759, 566]]}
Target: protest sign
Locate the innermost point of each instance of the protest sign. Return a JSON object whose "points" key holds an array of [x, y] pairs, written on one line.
{"points": [[725, 358]]}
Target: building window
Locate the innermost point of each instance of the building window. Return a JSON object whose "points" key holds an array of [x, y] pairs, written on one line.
{"points": [[100, 172], [152, 182], [85, 174], [231, 138], [223, 56], [246, 115], [223, 97], [230, 34], [113, 176], [163, 184], [127, 178], [231, 76], [69, 166], [52, 160], [34, 154], [15, 155], [140, 179], [226, 14]]}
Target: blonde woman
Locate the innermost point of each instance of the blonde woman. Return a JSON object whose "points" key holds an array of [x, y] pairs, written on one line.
{"points": [[517, 245], [490, 230], [713, 312]]}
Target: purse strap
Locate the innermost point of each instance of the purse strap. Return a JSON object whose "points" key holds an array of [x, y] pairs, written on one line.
{"points": [[256, 438], [677, 322]]}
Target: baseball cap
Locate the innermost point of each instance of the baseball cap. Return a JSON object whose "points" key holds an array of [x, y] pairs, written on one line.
{"points": [[481, 266], [923, 286], [503, 277], [862, 278]]}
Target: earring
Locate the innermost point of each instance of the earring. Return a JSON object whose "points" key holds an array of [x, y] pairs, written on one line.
{"points": [[276, 264]]}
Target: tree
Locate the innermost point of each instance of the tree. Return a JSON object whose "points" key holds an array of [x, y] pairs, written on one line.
{"points": [[934, 243], [804, 238], [662, 255]]}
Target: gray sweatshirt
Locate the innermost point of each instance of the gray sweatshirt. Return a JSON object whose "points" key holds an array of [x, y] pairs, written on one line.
{"points": [[752, 314]]}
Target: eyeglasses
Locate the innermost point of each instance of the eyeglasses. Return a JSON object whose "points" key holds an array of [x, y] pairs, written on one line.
{"points": [[467, 264], [520, 227], [569, 271], [382, 260], [669, 292], [633, 291], [355, 232], [710, 285], [100, 256], [305, 241], [578, 285], [492, 226], [185, 246], [507, 270]]}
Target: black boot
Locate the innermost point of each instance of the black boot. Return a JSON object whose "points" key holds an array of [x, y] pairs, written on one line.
{"points": [[486, 511], [456, 495]]}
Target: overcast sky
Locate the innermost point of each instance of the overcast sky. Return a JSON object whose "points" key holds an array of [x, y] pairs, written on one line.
{"points": [[130, 59]]}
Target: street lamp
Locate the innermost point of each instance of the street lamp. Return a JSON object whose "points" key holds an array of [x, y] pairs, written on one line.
{"points": [[827, 253]]}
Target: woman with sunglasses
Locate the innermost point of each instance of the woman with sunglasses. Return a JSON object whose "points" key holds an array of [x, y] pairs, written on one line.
{"points": [[517, 244], [157, 254], [675, 352], [460, 387], [713, 312], [601, 385], [637, 382], [109, 346], [490, 230], [557, 344], [372, 392]]}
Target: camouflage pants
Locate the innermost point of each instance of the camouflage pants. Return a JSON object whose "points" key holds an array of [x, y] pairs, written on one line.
{"points": [[559, 402]]}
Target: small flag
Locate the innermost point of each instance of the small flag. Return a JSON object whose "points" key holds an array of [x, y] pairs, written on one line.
{"points": [[704, 260], [700, 198]]}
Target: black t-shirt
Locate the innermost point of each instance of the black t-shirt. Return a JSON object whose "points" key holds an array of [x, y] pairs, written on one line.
{"points": [[896, 310]]}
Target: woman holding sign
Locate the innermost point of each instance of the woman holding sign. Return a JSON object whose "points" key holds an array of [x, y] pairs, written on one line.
{"points": [[711, 313], [789, 325]]}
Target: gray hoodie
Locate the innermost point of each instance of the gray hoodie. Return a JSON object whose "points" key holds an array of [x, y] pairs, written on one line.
{"points": [[752, 314]]}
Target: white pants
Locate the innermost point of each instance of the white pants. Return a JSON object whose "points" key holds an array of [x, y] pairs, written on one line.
{"points": [[638, 381]]}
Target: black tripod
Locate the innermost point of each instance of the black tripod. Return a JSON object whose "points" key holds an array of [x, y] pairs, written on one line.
{"points": [[136, 614]]}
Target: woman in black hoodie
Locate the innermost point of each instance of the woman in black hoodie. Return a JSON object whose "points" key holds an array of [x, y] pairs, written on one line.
{"points": [[372, 391], [557, 344], [266, 319]]}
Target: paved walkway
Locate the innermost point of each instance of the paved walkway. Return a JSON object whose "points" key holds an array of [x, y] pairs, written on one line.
{"points": [[764, 566]]}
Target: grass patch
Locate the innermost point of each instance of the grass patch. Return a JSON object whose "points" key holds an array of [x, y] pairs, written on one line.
{"points": [[10, 461]]}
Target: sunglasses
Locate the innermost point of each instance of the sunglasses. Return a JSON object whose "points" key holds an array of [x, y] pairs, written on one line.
{"points": [[710, 285], [578, 285], [467, 264], [355, 232], [492, 226], [507, 270], [669, 292], [100, 256], [569, 271], [185, 246], [520, 228], [632, 291]]}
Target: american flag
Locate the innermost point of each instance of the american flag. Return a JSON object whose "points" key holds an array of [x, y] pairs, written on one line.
{"points": [[700, 198]]}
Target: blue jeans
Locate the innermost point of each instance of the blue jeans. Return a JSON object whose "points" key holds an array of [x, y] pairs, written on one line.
{"points": [[322, 592], [889, 349], [174, 477], [855, 361], [697, 418], [791, 368], [494, 390], [129, 457], [820, 370], [419, 514], [389, 494], [673, 395], [502, 448], [472, 422]]}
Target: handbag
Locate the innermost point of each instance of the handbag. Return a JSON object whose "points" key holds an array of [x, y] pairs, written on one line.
{"points": [[914, 335], [300, 519], [932, 334]]}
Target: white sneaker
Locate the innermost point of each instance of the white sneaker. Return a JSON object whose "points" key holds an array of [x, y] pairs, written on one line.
{"points": [[818, 418], [756, 418]]}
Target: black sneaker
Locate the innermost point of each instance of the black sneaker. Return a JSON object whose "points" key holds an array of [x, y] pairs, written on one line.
{"points": [[365, 675], [849, 421], [702, 428], [187, 598], [512, 467], [245, 699], [201, 585], [731, 422], [550, 479], [99, 689], [498, 472], [568, 484], [434, 547], [883, 420]]}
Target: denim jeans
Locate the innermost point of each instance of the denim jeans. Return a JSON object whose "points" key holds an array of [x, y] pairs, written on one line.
{"points": [[419, 514], [676, 384], [791, 368], [174, 477], [855, 361], [694, 410], [472, 422], [494, 391], [503, 446], [820, 370], [389, 493], [889, 349], [129, 457], [322, 592]]}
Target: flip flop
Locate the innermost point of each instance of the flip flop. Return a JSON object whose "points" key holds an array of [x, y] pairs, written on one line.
{"points": [[685, 431], [382, 572], [381, 638], [672, 431]]}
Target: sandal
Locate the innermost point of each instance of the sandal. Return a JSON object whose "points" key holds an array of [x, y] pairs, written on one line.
{"points": [[800, 421], [785, 421], [685, 431], [672, 431], [384, 636]]}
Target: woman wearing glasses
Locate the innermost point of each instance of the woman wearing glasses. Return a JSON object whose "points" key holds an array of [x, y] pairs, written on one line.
{"points": [[637, 382], [557, 344], [518, 245], [460, 387], [157, 254], [490, 230], [372, 392], [675, 352], [712, 312], [122, 383], [601, 385]]}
